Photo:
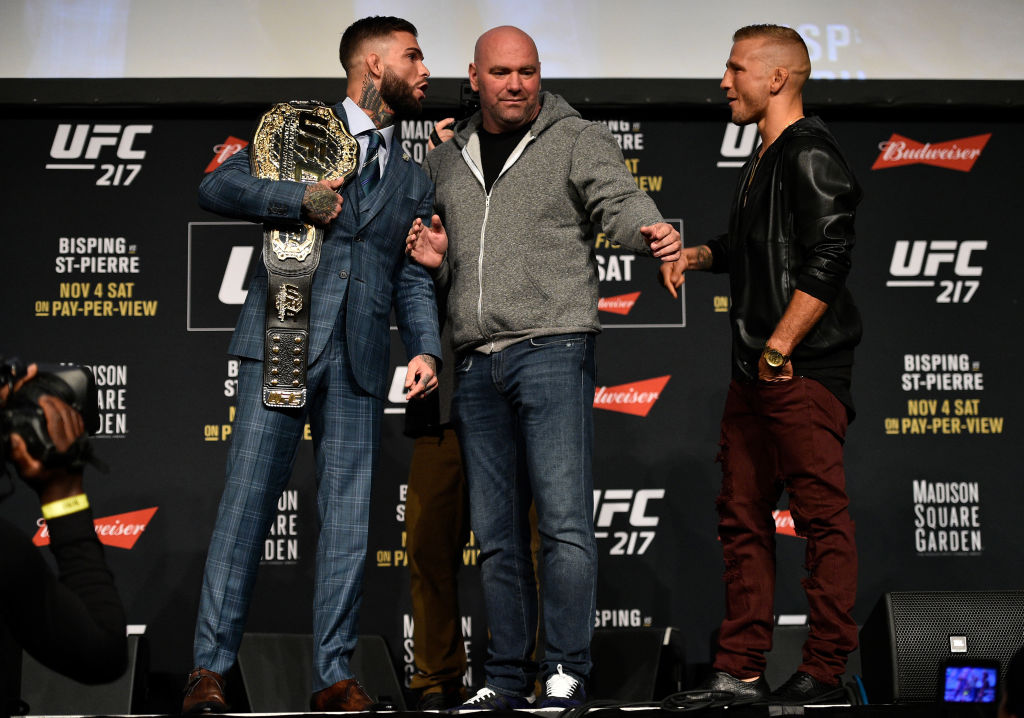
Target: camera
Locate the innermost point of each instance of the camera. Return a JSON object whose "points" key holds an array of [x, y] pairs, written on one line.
{"points": [[23, 415], [469, 101]]}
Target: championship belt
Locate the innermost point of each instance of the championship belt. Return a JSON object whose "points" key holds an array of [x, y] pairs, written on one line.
{"points": [[304, 142]]}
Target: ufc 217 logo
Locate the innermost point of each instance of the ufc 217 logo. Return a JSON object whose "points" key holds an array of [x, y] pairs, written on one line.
{"points": [[633, 507], [79, 147], [918, 263]]}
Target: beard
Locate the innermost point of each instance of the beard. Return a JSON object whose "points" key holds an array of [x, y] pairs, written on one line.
{"points": [[398, 95], [751, 105]]}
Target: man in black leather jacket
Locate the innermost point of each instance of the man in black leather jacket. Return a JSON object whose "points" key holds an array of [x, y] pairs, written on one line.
{"points": [[794, 328]]}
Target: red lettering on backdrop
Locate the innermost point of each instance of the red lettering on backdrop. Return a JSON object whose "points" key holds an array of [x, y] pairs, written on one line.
{"points": [[635, 398], [621, 304], [224, 150], [959, 155], [120, 530]]}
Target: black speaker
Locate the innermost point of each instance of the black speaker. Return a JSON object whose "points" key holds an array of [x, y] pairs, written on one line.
{"points": [[50, 693], [374, 668], [277, 670], [911, 634], [636, 664]]}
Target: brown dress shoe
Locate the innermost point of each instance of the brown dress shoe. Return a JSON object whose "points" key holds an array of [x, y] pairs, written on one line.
{"points": [[204, 693], [345, 695]]}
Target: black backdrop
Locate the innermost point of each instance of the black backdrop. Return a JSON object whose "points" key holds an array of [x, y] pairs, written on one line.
{"points": [[110, 263]]}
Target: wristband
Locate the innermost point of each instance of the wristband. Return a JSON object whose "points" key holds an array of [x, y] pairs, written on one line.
{"points": [[63, 507]]}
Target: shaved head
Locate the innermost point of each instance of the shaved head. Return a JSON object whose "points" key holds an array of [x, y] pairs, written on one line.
{"points": [[779, 47], [764, 78], [506, 72], [502, 40]]}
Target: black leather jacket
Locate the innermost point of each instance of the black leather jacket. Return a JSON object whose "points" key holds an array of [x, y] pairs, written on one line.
{"points": [[793, 231]]}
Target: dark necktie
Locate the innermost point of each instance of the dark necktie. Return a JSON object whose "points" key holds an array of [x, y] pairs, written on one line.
{"points": [[369, 173]]}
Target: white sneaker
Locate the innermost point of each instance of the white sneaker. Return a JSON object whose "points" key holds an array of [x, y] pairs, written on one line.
{"points": [[488, 700], [562, 690]]}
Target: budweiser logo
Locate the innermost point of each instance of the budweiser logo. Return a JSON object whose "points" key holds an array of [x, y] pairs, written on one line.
{"points": [[636, 398], [224, 150], [899, 151], [784, 523], [120, 531], [622, 304]]}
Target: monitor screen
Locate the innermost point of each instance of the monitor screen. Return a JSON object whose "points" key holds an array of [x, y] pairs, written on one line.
{"points": [[970, 684]]}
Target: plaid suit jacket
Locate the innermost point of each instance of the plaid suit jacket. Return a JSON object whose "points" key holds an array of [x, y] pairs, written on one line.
{"points": [[363, 253]]}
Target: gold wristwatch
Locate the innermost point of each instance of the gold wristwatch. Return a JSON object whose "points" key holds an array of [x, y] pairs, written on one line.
{"points": [[774, 358]]}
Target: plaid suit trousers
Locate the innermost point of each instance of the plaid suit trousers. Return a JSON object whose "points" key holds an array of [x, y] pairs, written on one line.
{"points": [[345, 425]]}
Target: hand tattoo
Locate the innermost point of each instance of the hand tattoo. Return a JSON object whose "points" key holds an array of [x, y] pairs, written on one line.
{"points": [[704, 257], [370, 99], [430, 361], [319, 203]]}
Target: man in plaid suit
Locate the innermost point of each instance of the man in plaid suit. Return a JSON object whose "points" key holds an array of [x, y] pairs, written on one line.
{"points": [[362, 274]]}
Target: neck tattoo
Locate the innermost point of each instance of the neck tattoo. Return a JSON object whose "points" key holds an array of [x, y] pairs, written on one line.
{"points": [[370, 100]]}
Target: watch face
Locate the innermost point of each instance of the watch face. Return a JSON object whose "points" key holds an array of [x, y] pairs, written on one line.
{"points": [[774, 357]]}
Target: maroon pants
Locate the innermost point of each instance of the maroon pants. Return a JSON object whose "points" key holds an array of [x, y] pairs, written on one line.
{"points": [[774, 436]]}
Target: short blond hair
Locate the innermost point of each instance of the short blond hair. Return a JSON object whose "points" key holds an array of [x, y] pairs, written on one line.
{"points": [[779, 33]]}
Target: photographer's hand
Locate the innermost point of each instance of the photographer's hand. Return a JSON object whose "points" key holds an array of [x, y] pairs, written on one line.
{"points": [[64, 425], [6, 390]]}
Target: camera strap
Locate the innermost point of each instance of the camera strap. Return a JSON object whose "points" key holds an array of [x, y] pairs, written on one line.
{"points": [[77, 456]]}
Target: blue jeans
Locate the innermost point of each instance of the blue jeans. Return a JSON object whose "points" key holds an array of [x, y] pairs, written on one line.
{"points": [[531, 406]]}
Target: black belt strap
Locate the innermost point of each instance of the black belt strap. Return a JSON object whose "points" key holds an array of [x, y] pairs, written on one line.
{"points": [[305, 142]]}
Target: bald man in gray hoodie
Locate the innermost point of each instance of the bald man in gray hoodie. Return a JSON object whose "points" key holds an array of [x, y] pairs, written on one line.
{"points": [[521, 191]]}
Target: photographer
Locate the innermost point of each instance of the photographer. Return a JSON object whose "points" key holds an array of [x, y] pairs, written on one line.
{"points": [[74, 625]]}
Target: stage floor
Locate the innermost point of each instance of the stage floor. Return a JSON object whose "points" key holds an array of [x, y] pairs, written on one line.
{"points": [[919, 710]]}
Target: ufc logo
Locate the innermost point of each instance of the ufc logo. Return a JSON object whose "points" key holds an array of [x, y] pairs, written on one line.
{"points": [[737, 144], [310, 143], [87, 141], [924, 258], [397, 391], [625, 501], [232, 286]]}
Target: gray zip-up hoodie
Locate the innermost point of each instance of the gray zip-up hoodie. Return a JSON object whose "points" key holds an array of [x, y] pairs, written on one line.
{"points": [[520, 260]]}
